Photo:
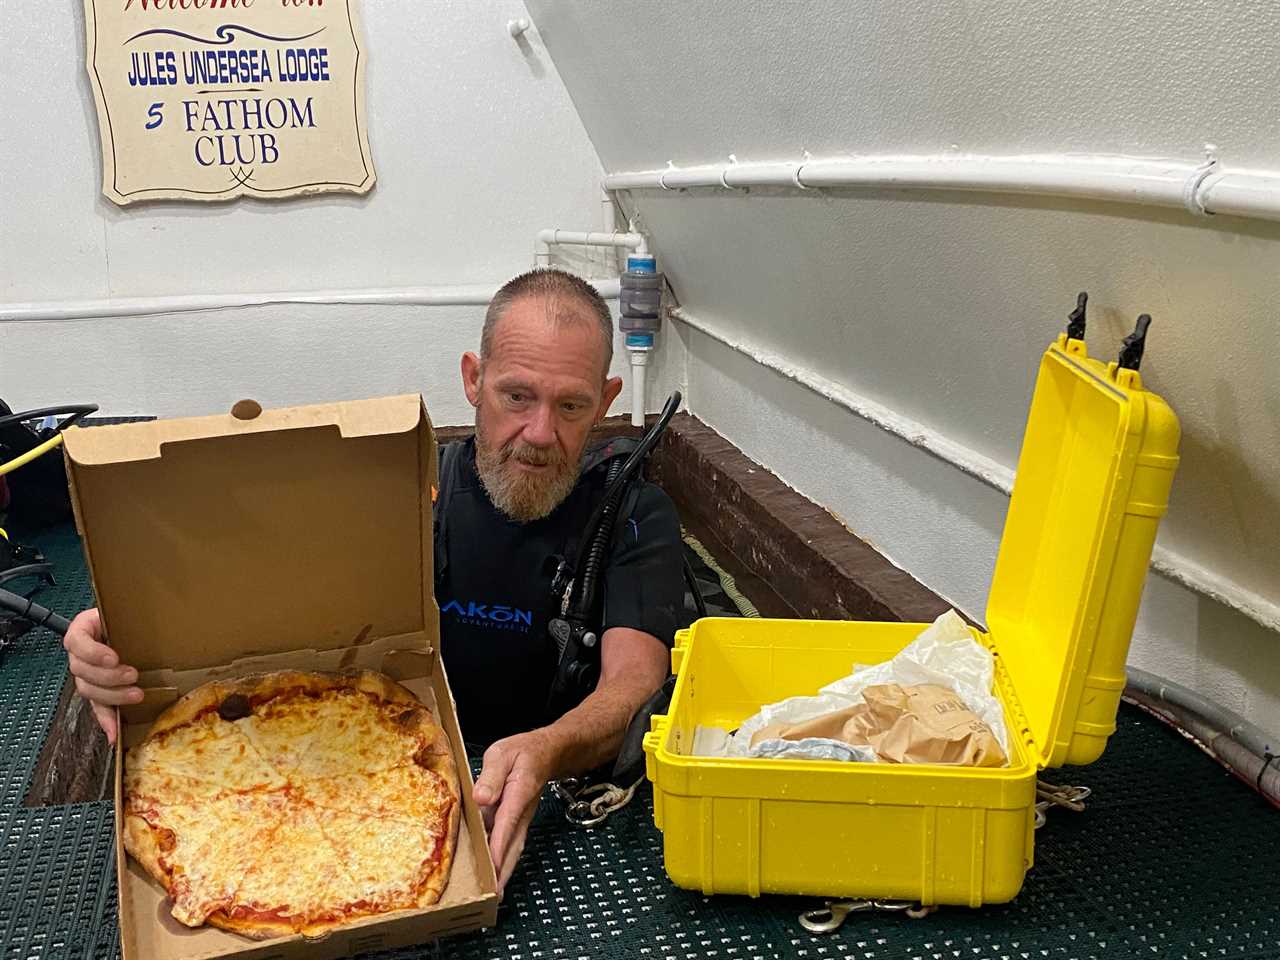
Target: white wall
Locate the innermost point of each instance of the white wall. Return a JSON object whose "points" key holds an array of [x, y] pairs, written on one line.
{"points": [[476, 147], [937, 306]]}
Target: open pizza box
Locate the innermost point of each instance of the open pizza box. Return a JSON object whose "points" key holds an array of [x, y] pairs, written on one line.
{"points": [[297, 538]]}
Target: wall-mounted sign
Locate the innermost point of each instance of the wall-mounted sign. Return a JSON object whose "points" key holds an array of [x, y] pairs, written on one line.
{"points": [[214, 99]]}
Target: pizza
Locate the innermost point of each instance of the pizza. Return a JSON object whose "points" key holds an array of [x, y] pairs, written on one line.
{"points": [[293, 802]]}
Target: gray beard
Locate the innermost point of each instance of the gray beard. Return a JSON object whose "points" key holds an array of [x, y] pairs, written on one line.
{"points": [[521, 496]]}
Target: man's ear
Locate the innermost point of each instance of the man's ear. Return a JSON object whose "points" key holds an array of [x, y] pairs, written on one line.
{"points": [[472, 370], [612, 387]]}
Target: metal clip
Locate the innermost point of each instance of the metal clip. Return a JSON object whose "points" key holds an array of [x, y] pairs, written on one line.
{"points": [[580, 814], [1054, 795], [566, 789], [589, 804], [830, 918]]}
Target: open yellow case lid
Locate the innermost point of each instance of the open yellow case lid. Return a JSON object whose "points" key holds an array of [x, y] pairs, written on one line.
{"points": [[1093, 480], [255, 532]]}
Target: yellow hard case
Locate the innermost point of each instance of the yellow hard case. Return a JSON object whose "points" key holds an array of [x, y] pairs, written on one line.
{"points": [[1093, 480]]}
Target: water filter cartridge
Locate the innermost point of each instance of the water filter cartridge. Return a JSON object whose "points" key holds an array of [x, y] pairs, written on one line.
{"points": [[640, 297]]}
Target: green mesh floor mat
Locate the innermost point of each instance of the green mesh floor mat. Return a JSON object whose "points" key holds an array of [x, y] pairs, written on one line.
{"points": [[1172, 858]]}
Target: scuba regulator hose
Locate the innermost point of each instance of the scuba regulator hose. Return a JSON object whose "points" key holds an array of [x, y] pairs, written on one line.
{"points": [[77, 411], [578, 668], [30, 610], [14, 602], [600, 526]]}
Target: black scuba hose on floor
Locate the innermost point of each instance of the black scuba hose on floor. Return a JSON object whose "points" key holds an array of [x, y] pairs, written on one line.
{"points": [[30, 610]]}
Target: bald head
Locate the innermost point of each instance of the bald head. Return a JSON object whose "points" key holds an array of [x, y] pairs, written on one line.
{"points": [[567, 299]]}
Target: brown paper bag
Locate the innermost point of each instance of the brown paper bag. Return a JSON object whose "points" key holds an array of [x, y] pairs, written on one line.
{"points": [[918, 724]]}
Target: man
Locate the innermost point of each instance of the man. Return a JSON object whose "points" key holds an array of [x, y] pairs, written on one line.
{"points": [[514, 498]]}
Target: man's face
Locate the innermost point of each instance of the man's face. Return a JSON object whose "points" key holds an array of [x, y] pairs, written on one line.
{"points": [[537, 396]]}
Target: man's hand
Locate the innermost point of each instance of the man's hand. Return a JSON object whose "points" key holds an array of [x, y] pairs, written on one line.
{"points": [[100, 676], [632, 666], [515, 771]]}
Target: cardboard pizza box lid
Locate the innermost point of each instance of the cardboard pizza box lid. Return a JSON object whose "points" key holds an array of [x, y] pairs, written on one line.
{"points": [[211, 539]]}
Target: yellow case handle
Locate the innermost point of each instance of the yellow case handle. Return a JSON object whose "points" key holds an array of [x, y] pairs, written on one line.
{"points": [[678, 649], [651, 742]]}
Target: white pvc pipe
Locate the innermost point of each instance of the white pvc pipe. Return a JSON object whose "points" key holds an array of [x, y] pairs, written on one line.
{"points": [[465, 295], [609, 213], [632, 241], [1199, 188], [639, 361], [1244, 194]]}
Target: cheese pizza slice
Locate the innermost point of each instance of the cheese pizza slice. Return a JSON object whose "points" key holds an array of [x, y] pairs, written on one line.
{"points": [[297, 884], [201, 852], [351, 738], [209, 757], [393, 864], [282, 730]]}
